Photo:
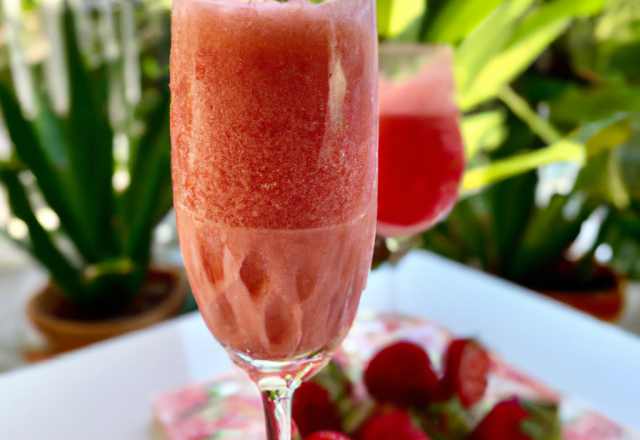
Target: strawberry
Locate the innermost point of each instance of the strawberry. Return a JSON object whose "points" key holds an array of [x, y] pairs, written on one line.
{"points": [[327, 435], [395, 425], [466, 366], [312, 410], [401, 374], [503, 422]]}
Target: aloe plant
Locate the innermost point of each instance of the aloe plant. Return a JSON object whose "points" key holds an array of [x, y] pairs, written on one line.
{"points": [[99, 256]]}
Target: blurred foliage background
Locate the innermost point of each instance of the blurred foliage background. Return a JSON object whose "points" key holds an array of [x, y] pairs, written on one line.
{"points": [[550, 95], [85, 99]]}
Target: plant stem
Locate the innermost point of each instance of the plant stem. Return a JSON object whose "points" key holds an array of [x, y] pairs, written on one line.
{"points": [[563, 150], [277, 413], [521, 108]]}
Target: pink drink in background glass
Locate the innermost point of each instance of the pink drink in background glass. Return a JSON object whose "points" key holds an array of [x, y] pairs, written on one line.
{"points": [[274, 158], [421, 150]]}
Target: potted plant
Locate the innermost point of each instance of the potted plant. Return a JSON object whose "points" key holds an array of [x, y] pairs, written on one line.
{"points": [[565, 246], [541, 84], [101, 282]]}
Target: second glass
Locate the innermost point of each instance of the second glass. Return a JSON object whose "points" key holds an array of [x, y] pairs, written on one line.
{"points": [[421, 149], [274, 159]]}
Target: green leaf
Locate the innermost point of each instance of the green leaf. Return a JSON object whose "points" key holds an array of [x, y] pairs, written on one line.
{"points": [[445, 420], [394, 16], [457, 18], [383, 13], [602, 180], [483, 131], [32, 154], [555, 11], [67, 278], [547, 235], [529, 40], [51, 140], [90, 143], [610, 136], [601, 136], [484, 42], [543, 422], [151, 170], [622, 233], [581, 104], [466, 235], [624, 59], [410, 34], [563, 150], [149, 197], [115, 266], [439, 240], [520, 107], [628, 157], [513, 202]]}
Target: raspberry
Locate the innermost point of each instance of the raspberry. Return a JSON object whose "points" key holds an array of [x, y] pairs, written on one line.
{"points": [[466, 371], [327, 435], [396, 425], [401, 374], [312, 410], [502, 423]]}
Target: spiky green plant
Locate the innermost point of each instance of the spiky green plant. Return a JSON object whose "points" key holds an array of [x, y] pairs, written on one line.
{"points": [[71, 157]]}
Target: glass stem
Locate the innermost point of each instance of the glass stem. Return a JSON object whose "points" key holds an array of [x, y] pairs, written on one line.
{"points": [[277, 412]]}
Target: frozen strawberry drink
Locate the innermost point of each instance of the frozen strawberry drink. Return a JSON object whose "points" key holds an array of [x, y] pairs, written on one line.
{"points": [[274, 160]]}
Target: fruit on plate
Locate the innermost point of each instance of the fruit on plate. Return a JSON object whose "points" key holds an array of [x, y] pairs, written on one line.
{"points": [[402, 396], [313, 410], [502, 423], [401, 374], [396, 425], [466, 371], [327, 435]]}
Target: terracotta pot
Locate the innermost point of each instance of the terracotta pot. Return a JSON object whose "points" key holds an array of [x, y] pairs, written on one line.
{"points": [[161, 298], [606, 304]]}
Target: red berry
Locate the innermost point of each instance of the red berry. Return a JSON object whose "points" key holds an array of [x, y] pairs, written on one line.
{"points": [[312, 410], [396, 425], [327, 435], [401, 374], [502, 423], [466, 374]]}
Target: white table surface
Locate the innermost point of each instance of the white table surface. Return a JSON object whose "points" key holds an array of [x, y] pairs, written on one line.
{"points": [[104, 392]]}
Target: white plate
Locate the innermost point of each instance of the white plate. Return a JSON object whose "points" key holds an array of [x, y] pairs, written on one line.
{"points": [[104, 392]]}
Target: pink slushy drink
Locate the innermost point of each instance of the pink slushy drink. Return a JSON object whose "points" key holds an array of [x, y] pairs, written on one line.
{"points": [[274, 158]]}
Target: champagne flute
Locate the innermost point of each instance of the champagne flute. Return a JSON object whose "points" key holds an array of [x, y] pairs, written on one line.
{"points": [[274, 162]]}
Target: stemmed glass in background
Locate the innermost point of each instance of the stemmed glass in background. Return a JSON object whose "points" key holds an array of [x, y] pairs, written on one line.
{"points": [[421, 149], [274, 157]]}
